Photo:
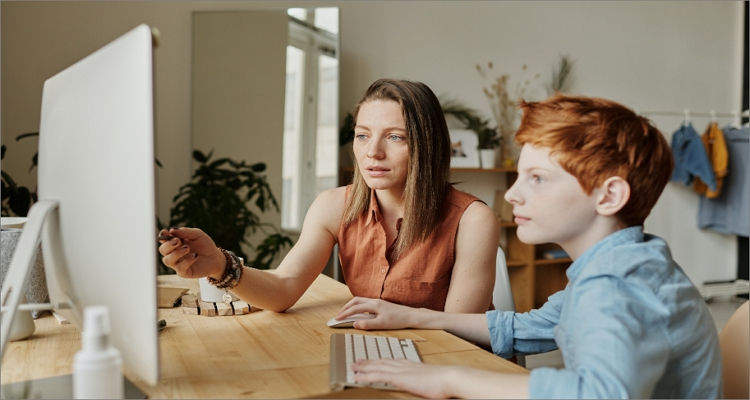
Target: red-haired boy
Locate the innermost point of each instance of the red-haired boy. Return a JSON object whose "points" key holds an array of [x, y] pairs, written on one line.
{"points": [[629, 323]]}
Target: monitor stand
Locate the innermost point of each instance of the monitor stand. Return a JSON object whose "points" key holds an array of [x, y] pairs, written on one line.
{"points": [[56, 387]]}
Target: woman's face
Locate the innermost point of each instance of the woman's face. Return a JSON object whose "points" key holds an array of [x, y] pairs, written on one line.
{"points": [[381, 144]]}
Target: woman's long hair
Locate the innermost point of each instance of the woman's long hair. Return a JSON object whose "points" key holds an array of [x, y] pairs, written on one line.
{"points": [[429, 161]]}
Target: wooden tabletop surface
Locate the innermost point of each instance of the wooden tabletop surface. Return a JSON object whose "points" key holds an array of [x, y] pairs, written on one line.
{"points": [[258, 355]]}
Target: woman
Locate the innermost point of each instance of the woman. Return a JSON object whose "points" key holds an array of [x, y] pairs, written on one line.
{"points": [[404, 233]]}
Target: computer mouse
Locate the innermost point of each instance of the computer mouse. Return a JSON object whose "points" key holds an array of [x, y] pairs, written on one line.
{"points": [[349, 321]]}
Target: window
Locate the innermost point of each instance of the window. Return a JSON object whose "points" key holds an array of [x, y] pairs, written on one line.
{"points": [[310, 154]]}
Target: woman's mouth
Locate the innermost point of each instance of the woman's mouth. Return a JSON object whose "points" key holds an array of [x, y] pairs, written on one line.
{"points": [[376, 171]]}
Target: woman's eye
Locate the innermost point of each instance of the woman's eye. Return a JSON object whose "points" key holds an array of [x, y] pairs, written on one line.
{"points": [[360, 136], [396, 138]]}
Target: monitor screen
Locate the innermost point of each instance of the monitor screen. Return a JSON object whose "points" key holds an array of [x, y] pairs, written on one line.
{"points": [[96, 162]]}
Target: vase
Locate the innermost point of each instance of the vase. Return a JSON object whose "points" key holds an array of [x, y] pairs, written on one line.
{"points": [[36, 281], [487, 158], [510, 153]]}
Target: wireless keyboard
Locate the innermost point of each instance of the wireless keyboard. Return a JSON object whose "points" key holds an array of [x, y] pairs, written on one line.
{"points": [[347, 348]]}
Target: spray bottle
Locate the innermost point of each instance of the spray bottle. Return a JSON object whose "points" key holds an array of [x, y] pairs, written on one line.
{"points": [[97, 367]]}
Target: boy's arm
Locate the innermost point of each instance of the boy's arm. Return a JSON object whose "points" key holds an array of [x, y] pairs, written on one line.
{"points": [[527, 333], [507, 332], [472, 327]]}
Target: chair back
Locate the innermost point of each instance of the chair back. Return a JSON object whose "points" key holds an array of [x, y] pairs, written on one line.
{"points": [[502, 295], [734, 341]]}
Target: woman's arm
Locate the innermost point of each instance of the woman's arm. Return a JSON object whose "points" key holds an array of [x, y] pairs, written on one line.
{"points": [[473, 276], [195, 255]]}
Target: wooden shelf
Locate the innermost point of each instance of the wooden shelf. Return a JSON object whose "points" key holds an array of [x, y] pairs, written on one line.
{"points": [[515, 263], [548, 261]]}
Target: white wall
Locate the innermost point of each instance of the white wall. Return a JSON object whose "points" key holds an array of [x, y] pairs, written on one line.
{"points": [[647, 55], [41, 38]]}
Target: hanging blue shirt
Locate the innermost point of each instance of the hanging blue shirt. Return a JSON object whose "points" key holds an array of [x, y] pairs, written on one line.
{"points": [[690, 159], [629, 324], [730, 212]]}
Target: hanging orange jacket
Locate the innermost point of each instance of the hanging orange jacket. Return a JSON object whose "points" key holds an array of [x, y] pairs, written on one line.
{"points": [[718, 156]]}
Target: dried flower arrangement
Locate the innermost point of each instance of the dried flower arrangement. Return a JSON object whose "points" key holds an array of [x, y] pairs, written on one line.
{"points": [[562, 76], [504, 108]]}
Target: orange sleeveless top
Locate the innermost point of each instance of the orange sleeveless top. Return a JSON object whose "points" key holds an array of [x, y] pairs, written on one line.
{"points": [[421, 276]]}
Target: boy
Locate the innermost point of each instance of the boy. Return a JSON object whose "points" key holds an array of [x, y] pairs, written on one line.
{"points": [[629, 323]]}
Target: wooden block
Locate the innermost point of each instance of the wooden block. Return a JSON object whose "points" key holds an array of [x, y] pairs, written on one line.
{"points": [[190, 300], [190, 310], [207, 308], [190, 304], [224, 308], [240, 307], [167, 296]]}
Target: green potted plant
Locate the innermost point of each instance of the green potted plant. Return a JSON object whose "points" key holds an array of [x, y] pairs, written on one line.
{"points": [[17, 199], [488, 138], [225, 199]]}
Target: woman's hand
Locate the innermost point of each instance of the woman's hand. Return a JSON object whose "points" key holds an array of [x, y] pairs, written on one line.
{"points": [[387, 315], [191, 253]]}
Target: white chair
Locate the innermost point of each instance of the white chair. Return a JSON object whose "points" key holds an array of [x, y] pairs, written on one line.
{"points": [[734, 341], [502, 295]]}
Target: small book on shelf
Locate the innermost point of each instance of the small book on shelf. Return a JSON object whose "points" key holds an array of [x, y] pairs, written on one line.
{"points": [[554, 254]]}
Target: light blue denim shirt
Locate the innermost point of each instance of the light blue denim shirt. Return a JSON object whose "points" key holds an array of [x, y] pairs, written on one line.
{"points": [[690, 158], [629, 324]]}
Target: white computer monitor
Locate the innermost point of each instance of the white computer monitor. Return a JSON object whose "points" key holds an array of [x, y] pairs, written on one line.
{"points": [[96, 209]]}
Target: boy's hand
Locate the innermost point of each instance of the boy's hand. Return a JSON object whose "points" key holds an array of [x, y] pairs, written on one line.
{"points": [[421, 379], [387, 315]]}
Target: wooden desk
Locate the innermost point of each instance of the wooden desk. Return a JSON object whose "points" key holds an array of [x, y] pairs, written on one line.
{"points": [[261, 354]]}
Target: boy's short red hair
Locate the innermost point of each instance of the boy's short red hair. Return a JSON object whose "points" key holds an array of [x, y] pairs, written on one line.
{"points": [[594, 139]]}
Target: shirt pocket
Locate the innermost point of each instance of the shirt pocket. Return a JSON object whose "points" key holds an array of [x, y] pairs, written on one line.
{"points": [[416, 293]]}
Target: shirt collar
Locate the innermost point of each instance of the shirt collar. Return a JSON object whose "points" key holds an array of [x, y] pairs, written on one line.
{"points": [[373, 213], [631, 234]]}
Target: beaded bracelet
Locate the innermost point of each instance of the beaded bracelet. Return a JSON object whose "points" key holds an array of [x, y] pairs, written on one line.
{"points": [[232, 271]]}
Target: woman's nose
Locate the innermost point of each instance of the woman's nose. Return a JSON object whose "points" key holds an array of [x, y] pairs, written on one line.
{"points": [[374, 150]]}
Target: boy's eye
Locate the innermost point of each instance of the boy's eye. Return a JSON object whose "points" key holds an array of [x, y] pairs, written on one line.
{"points": [[536, 179]]}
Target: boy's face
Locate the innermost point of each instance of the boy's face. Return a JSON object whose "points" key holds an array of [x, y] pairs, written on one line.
{"points": [[549, 204]]}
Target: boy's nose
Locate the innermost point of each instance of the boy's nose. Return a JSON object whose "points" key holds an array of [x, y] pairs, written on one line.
{"points": [[511, 195]]}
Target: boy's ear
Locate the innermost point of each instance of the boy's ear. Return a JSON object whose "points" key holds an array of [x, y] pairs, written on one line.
{"points": [[614, 193]]}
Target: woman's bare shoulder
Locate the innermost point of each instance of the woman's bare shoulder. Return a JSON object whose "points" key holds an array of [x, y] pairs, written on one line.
{"points": [[479, 215], [328, 208]]}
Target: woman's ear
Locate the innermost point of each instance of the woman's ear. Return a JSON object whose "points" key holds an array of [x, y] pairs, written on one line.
{"points": [[614, 194]]}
